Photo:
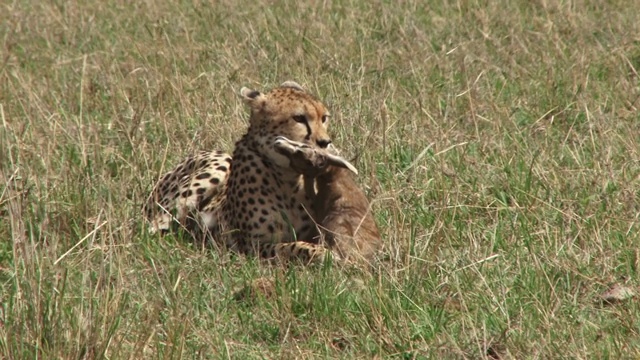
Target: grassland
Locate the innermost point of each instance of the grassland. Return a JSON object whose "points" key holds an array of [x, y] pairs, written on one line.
{"points": [[498, 141]]}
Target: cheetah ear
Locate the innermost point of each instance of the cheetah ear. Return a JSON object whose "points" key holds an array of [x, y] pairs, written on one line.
{"points": [[293, 85], [250, 96], [339, 161]]}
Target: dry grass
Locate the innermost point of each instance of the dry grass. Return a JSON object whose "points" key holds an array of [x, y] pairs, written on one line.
{"points": [[498, 140]]}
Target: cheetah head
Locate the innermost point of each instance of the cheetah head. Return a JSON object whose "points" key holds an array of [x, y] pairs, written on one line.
{"points": [[288, 111]]}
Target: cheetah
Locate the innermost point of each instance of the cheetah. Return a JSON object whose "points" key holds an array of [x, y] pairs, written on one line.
{"points": [[256, 203], [340, 206]]}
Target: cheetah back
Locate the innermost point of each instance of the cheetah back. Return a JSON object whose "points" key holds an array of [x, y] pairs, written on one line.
{"points": [[193, 184]]}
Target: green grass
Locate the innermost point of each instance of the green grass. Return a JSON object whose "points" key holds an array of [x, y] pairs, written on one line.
{"points": [[497, 140]]}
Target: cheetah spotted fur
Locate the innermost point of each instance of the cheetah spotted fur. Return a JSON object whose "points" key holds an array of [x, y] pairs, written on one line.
{"points": [[256, 203]]}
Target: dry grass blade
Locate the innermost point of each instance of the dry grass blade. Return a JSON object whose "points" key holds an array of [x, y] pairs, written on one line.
{"points": [[616, 294]]}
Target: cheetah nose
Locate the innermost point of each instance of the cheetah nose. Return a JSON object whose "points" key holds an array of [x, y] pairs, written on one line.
{"points": [[323, 143]]}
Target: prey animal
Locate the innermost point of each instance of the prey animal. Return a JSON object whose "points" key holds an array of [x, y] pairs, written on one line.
{"points": [[341, 208]]}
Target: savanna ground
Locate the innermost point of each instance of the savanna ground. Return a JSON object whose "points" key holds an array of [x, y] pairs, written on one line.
{"points": [[498, 141]]}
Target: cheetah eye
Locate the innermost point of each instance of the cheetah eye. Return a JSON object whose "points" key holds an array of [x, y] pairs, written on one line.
{"points": [[300, 118], [325, 118]]}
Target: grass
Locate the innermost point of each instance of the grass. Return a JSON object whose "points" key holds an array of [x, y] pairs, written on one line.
{"points": [[497, 140]]}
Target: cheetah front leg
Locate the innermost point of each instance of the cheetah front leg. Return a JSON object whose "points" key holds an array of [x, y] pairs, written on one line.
{"points": [[280, 252], [301, 251]]}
